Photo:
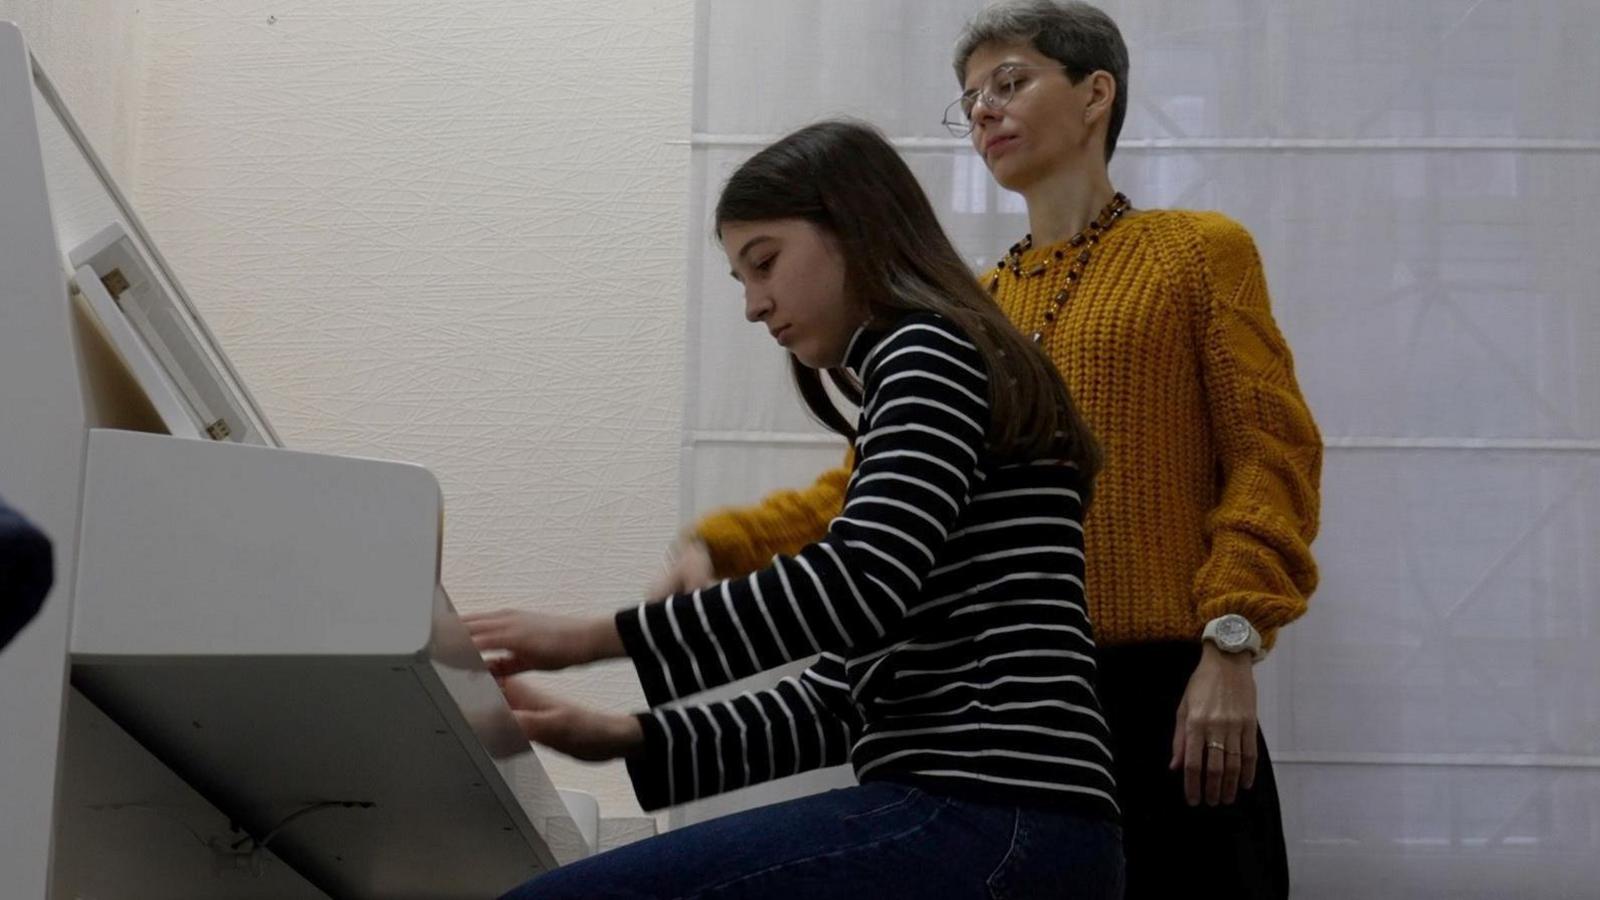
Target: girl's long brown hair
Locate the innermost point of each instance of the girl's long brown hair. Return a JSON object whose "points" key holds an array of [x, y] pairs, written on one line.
{"points": [[845, 178]]}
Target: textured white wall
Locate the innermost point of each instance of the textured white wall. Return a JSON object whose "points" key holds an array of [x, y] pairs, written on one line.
{"points": [[93, 52], [450, 233]]}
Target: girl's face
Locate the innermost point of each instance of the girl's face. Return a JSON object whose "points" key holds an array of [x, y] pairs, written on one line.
{"points": [[1045, 125], [794, 283]]}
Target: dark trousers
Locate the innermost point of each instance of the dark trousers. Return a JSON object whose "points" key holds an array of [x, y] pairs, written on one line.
{"points": [[1173, 849], [878, 841]]}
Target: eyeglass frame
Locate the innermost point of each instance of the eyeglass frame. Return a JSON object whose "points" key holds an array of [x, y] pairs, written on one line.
{"points": [[964, 126]]}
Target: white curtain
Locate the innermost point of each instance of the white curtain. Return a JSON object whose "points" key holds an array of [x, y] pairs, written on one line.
{"points": [[1423, 180]]}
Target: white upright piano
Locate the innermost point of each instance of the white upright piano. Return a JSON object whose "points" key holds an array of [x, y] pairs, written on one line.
{"points": [[248, 680]]}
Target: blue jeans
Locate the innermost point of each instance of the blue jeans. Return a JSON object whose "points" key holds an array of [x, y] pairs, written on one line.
{"points": [[877, 841]]}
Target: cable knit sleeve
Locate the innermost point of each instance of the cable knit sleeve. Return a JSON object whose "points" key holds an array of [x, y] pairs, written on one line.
{"points": [[742, 540], [1259, 561]]}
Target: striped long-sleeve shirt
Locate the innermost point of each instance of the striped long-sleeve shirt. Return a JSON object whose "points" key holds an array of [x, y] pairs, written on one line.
{"points": [[945, 605]]}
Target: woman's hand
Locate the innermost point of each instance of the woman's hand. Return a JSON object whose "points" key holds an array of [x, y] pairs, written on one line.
{"points": [[577, 731], [521, 640], [688, 569], [1214, 742]]}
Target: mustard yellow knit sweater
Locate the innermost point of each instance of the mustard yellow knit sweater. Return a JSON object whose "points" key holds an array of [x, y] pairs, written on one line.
{"points": [[1208, 502]]}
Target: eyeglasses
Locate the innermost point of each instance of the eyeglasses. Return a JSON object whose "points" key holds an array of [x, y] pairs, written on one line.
{"points": [[997, 90]]}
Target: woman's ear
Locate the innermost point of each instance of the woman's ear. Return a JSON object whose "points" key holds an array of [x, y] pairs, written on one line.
{"points": [[1102, 94]]}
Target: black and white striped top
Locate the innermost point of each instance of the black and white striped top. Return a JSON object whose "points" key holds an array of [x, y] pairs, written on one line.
{"points": [[946, 603]]}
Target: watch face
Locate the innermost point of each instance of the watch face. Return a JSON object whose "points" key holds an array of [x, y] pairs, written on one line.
{"points": [[1233, 631]]}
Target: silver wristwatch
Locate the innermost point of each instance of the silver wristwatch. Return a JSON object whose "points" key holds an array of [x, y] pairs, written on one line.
{"points": [[1233, 633]]}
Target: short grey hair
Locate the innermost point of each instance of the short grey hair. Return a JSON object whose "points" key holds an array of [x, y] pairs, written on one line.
{"points": [[1079, 36]]}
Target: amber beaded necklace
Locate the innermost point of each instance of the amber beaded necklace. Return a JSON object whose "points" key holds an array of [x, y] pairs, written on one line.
{"points": [[1083, 242]]}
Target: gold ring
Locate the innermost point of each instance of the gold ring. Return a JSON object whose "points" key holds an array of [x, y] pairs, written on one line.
{"points": [[1217, 745]]}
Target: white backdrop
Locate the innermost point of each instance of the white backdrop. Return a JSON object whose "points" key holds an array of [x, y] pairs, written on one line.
{"points": [[1423, 180], [450, 233]]}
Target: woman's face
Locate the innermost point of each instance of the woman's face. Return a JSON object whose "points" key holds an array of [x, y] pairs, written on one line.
{"points": [[794, 284], [1043, 128]]}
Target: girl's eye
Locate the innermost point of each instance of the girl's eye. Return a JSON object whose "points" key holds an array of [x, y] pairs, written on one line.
{"points": [[766, 264]]}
